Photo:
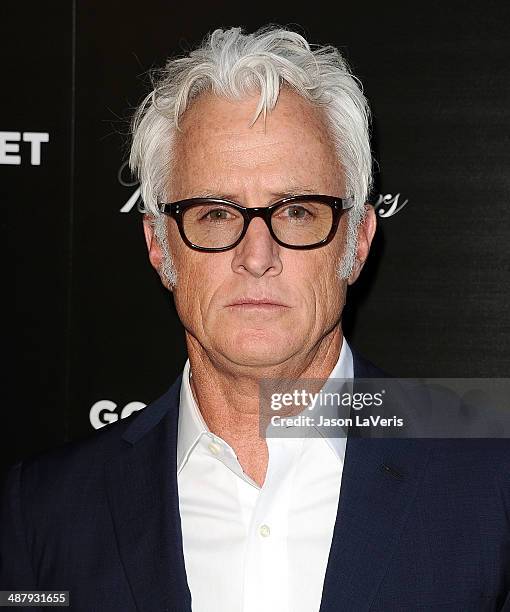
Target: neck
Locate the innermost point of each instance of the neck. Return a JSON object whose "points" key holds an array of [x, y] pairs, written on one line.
{"points": [[227, 394]]}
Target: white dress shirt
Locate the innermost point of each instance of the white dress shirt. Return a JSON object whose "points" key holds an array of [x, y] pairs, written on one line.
{"points": [[249, 548]]}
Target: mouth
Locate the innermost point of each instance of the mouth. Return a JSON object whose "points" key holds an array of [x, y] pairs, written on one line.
{"points": [[256, 304]]}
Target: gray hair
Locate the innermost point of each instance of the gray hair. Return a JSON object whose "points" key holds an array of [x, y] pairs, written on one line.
{"points": [[232, 64]]}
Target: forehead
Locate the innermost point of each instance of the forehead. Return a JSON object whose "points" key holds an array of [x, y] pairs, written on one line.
{"points": [[217, 149]]}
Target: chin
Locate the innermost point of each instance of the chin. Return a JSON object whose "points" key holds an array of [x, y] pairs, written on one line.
{"points": [[259, 348]]}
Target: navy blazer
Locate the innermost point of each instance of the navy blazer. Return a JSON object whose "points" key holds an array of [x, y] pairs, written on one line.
{"points": [[421, 524]]}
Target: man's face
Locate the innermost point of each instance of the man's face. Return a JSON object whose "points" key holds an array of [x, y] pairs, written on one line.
{"points": [[218, 154]]}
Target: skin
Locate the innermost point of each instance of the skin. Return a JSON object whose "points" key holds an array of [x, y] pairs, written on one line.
{"points": [[231, 347]]}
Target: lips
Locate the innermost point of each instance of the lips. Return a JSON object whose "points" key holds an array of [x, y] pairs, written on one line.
{"points": [[248, 301]]}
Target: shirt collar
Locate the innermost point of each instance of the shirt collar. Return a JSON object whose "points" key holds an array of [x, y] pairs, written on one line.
{"points": [[191, 425], [344, 368]]}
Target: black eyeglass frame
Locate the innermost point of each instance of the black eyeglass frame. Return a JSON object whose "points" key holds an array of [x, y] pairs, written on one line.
{"points": [[338, 206]]}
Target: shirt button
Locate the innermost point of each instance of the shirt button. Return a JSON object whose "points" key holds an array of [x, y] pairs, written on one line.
{"points": [[215, 448], [264, 531]]}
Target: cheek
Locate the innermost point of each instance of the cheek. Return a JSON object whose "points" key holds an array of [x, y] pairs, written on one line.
{"points": [[200, 277], [188, 263], [313, 273], [325, 287], [188, 275]]}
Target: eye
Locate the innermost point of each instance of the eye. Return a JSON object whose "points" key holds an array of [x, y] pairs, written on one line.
{"points": [[296, 212], [215, 214]]}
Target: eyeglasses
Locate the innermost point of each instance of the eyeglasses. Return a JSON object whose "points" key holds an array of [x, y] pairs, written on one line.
{"points": [[296, 222]]}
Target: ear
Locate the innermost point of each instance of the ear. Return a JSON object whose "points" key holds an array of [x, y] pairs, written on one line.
{"points": [[366, 233], [153, 247]]}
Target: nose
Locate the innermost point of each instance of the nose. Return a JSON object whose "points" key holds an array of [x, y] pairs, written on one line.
{"points": [[257, 254]]}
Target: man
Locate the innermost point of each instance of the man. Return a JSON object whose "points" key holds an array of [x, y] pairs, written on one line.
{"points": [[254, 162]]}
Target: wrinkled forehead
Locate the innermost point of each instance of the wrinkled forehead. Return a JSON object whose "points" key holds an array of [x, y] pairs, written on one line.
{"points": [[218, 145]]}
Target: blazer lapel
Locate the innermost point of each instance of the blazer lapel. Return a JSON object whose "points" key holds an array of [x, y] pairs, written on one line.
{"points": [[143, 498], [379, 483], [380, 480]]}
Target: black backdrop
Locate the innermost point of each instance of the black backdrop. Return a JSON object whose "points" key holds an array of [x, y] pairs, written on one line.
{"points": [[93, 336]]}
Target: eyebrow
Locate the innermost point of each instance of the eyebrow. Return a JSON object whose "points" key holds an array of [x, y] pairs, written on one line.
{"points": [[277, 195]]}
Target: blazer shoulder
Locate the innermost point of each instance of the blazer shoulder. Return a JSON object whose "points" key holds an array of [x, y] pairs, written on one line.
{"points": [[81, 461], [363, 368]]}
